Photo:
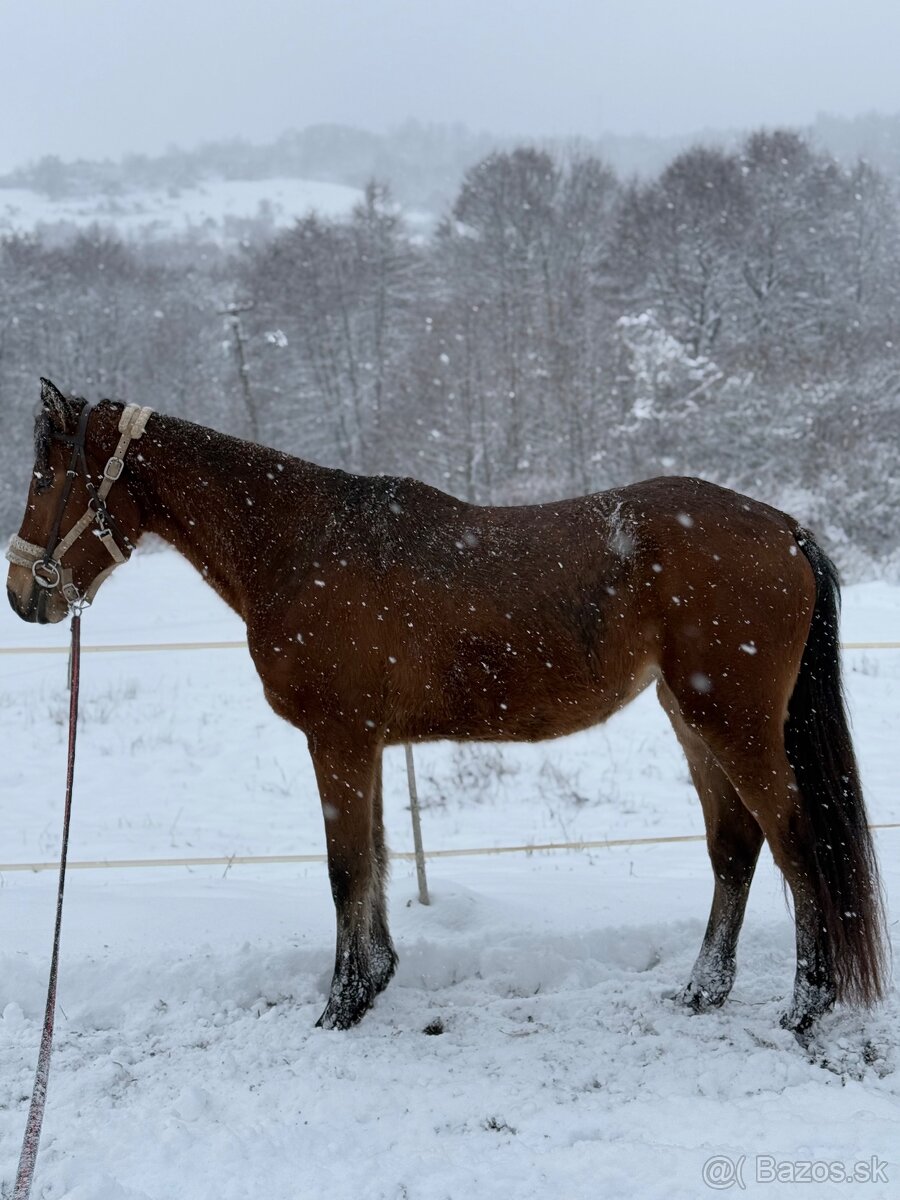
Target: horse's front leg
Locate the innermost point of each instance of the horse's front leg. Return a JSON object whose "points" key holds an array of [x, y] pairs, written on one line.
{"points": [[347, 771]]}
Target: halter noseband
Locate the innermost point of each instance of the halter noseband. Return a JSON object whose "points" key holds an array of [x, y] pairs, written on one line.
{"points": [[45, 562]]}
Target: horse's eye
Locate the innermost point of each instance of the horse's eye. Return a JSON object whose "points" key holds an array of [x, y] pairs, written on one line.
{"points": [[44, 481]]}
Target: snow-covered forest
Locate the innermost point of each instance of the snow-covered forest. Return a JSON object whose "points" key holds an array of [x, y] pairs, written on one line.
{"points": [[557, 328]]}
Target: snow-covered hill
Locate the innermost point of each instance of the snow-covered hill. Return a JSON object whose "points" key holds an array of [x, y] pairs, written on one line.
{"points": [[214, 209]]}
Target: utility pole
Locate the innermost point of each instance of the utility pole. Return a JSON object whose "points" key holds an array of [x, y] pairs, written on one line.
{"points": [[232, 314]]}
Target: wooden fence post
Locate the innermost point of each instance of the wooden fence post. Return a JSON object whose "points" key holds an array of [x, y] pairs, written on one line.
{"points": [[424, 898]]}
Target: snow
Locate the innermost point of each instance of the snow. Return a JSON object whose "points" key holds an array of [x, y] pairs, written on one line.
{"points": [[186, 1061], [205, 207]]}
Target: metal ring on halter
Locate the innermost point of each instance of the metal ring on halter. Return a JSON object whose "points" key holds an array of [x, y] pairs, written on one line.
{"points": [[50, 581]]}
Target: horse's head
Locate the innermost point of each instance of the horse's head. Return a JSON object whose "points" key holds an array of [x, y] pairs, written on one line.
{"points": [[79, 522]]}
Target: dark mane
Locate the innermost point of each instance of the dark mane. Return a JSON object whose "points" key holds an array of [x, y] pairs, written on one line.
{"points": [[43, 430]]}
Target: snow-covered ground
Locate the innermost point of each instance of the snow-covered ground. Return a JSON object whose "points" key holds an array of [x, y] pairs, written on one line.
{"points": [[205, 208], [187, 1063]]}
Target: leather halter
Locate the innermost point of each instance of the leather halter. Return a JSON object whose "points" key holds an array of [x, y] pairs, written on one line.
{"points": [[46, 562]]}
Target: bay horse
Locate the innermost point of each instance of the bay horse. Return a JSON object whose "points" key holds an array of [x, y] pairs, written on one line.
{"points": [[381, 611]]}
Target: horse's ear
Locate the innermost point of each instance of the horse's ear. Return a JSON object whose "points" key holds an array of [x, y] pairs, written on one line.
{"points": [[58, 407]]}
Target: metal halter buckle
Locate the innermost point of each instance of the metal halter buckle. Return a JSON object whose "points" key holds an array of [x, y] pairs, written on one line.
{"points": [[114, 468], [53, 573], [72, 596]]}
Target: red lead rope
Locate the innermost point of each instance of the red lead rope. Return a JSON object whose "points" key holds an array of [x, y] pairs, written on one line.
{"points": [[32, 1138]]}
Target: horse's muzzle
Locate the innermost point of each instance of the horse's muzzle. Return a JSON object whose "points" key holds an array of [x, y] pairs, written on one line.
{"points": [[37, 610]]}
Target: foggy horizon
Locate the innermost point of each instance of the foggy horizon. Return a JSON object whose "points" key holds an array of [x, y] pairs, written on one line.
{"points": [[90, 84]]}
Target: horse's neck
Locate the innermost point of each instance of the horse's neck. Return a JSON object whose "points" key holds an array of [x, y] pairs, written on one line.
{"points": [[233, 509]]}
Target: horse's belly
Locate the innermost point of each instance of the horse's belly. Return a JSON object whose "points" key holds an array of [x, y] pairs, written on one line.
{"points": [[550, 701]]}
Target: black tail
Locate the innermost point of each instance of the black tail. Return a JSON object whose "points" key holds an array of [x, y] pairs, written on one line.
{"points": [[820, 749]]}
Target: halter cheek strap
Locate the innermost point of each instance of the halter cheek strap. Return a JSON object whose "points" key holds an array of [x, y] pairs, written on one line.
{"points": [[45, 562]]}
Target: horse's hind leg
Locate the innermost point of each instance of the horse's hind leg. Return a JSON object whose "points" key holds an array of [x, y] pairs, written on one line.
{"points": [[768, 787], [749, 746], [733, 839], [346, 772]]}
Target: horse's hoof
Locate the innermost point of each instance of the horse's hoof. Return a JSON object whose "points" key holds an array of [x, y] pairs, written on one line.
{"points": [[804, 1030], [348, 1003], [336, 1019], [341, 1017], [800, 1024], [384, 964], [700, 999], [810, 1002]]}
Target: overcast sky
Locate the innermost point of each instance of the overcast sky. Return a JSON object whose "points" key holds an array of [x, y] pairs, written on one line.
{"points": [[102, 77]]}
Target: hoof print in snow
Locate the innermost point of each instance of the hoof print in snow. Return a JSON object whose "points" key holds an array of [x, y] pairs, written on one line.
{"points": [[496, 1125]]}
